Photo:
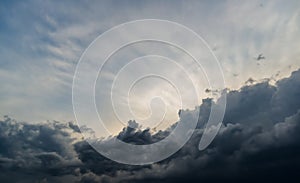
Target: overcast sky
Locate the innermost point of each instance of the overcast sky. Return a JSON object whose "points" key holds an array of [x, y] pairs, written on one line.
{"points": [[42, 41]]}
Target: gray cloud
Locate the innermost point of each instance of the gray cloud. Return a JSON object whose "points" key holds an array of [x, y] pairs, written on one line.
{"points": [[259, 141], [38, 150]]}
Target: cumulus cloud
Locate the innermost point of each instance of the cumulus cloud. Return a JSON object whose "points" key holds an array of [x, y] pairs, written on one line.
{"points": [[36, 149], [259, 141]]}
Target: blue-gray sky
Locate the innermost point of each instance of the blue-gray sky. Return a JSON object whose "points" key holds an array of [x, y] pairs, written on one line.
{"points": [[41, 43]]}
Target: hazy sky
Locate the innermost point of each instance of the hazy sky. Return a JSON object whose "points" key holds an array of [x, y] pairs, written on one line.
{"points": [[42, 41]]}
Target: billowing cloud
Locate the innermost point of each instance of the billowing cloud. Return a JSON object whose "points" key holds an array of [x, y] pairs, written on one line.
{"points": [[259, 141], [36, 150]]}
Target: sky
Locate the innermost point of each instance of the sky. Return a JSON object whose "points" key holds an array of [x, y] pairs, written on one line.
{"points": [[43, 42]]}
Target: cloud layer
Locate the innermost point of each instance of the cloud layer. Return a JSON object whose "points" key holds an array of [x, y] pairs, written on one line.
{"points": [[259, 141]]}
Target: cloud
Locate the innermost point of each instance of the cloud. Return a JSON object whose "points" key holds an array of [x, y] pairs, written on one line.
{"points": [[259, 141], [252, 145], [45, 43], [36, 150]]}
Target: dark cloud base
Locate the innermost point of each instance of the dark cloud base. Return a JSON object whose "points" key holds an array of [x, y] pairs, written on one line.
{"points": [[258, 142]]}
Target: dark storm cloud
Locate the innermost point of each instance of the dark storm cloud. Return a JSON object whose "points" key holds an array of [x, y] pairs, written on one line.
{"points": [[39, 150], [259, 141], [250, 105], [256, 143], [285, 102], [238, 153]]}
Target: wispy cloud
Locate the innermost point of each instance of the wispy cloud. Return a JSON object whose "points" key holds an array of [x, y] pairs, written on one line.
{"points": [[41, 43]]}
